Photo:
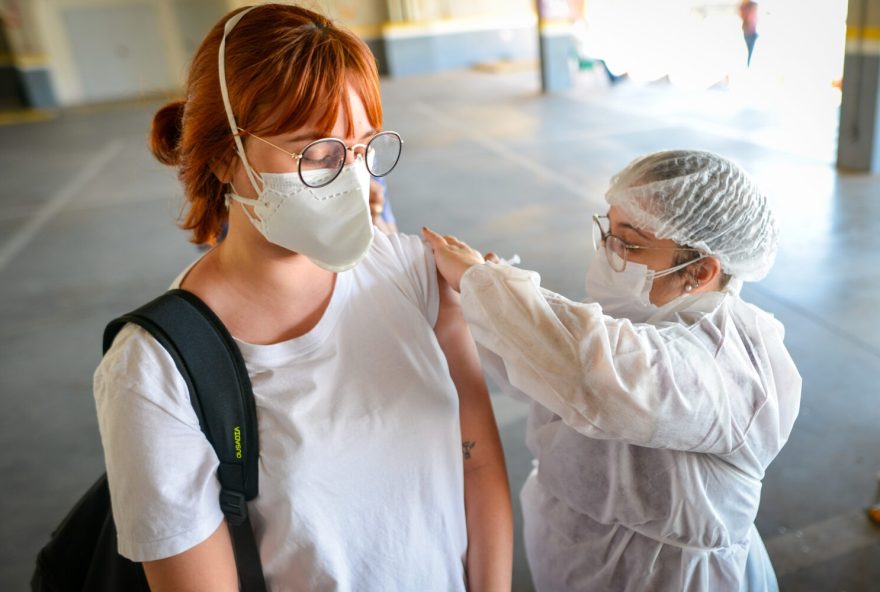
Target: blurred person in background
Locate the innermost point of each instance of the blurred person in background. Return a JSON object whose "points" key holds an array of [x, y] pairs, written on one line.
{"points": [[380, 206], [748, 12]]}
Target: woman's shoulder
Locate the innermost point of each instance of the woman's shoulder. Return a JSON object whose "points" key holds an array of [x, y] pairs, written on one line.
{"points": [[401, 257], [137, 362], [132, 348], [406, 263], [398, 248]]}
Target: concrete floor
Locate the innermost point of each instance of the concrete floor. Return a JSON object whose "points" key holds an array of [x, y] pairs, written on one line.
{"points": [[87, 231]]}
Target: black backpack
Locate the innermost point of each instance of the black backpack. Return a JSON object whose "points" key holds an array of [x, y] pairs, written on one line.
{"points": [[81, 554]]}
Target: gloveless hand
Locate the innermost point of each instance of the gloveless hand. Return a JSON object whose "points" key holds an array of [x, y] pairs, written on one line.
{"points": [[454, 257]]}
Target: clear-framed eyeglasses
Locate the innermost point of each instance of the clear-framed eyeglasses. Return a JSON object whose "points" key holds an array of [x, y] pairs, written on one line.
{"points": [[617, 250], [321, 161]]}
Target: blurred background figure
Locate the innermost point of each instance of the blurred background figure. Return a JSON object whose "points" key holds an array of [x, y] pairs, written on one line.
{"points": [[380, 207], [589, 47], [748, 12]]}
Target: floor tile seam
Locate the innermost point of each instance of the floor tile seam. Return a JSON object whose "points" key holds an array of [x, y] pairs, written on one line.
{"points": [[55, 147], [713, 128], [54, 318], [817, 320], [810, 545], [40, 323], [17, 213], [584, 130], [58, 201], [588, 134], [725, 131], [500, 150], [29, 212]]}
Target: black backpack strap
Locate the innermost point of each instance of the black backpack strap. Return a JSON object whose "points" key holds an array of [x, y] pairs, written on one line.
{"points": [[220, 391]]}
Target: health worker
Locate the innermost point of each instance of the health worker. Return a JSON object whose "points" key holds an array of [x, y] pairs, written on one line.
{"points": [[658, 403]]}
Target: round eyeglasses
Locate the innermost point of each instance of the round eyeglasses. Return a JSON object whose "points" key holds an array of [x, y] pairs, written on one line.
{"points": [[617, 250], [321, 161]]}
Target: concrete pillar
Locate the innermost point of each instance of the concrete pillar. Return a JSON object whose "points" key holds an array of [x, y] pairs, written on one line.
{"points": [[858, 146], [24, 57], [554, 45], [10, 87]]}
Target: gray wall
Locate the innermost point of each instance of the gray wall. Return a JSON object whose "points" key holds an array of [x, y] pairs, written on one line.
{"points": [[117, 50], [420, 54]]}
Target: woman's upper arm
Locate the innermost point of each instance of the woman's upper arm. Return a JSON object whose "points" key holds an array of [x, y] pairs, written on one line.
{"points": [[479, 433], [486, 490], [207, 567], [161, 469]]}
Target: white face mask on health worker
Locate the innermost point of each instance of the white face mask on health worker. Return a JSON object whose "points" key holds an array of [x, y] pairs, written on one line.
{"points": [[331, 225], [624, 294]]}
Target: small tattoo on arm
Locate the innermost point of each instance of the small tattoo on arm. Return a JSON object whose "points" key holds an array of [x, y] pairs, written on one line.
{"points": [[466, 448]]}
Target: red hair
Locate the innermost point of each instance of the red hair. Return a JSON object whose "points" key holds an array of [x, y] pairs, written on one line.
{"points": [[285, 65]]}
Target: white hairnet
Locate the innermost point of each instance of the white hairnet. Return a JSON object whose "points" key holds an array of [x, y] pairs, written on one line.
{"points": [[700, 200]]}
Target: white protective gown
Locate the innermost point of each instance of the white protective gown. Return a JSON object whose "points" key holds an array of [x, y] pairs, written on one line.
{"points": [[651, 439]]}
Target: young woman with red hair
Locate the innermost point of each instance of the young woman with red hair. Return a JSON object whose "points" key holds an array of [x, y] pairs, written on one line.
{"points": [[380, 462]]}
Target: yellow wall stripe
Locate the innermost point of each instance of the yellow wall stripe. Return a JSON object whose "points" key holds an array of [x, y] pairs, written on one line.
{"points": [[25, 116], [454, 25], [365, 31], [869, 33], [556, 26], [24, 60]]}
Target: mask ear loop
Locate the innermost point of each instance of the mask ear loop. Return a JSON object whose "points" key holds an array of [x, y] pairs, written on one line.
{"points": [[671, 270], [224, 91], [230, 197], [255, 218]]}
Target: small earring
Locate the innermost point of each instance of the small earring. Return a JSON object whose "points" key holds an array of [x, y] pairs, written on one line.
{"points": [[691, 287]]}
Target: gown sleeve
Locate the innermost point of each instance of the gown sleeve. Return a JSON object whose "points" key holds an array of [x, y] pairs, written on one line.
{"points": [[683, 387]]}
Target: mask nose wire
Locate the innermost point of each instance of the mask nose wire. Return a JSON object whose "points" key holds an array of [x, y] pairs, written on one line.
{"points": [[224, 91]]}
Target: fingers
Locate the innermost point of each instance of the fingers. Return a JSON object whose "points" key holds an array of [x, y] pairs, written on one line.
{"points": [[492, 258], [447, 241], [433, 238]]}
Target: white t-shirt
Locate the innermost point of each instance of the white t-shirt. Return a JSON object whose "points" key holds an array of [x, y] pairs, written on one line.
{"points": [[361, 484]]}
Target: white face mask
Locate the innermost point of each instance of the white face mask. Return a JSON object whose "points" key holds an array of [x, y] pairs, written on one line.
{"points": [[624, 294], [330, 225]]}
